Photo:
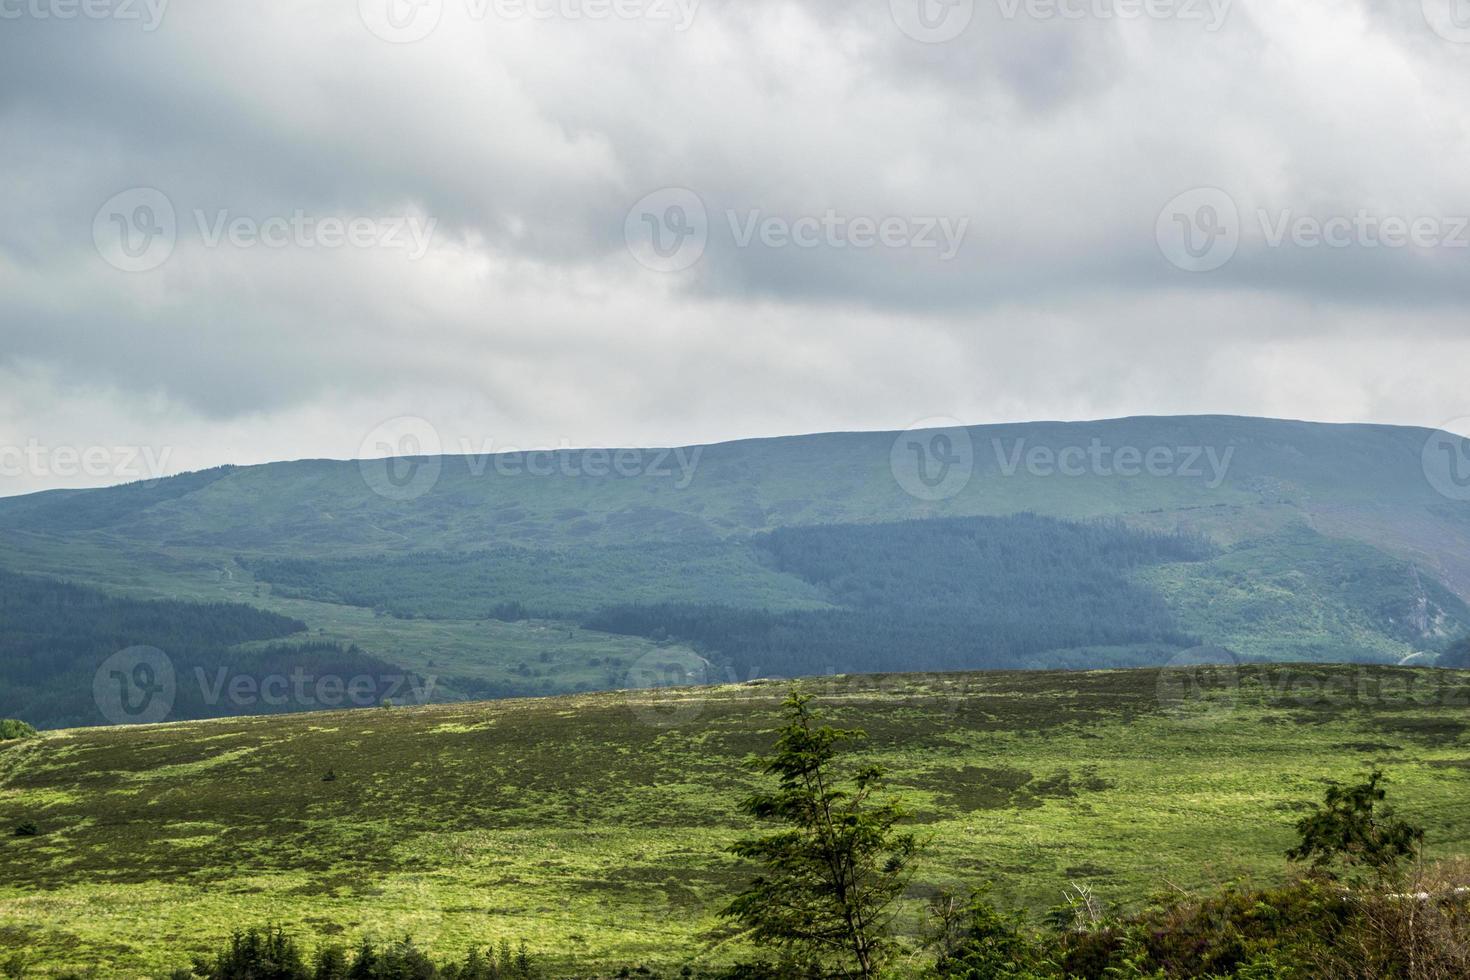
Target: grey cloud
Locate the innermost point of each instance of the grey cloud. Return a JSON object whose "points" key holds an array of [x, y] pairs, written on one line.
{"points": [[1058, 141]]}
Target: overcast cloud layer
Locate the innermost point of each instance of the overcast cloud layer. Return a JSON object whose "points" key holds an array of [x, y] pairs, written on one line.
{"points": [[865, 214]]}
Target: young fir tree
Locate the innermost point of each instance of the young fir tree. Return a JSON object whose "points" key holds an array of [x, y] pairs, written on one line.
{"points": [[1352, 829], [830, 877]]}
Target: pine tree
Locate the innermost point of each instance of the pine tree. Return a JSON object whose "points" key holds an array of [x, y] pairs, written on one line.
{"points": [[826, 894], [1351, 828]]}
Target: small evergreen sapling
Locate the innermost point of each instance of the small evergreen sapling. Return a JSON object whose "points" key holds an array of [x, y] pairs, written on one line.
{"points": [[829, 879], [1352, 829]]}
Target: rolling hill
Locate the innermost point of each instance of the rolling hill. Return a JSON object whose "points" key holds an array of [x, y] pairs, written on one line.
{"points": [[541, 573]]}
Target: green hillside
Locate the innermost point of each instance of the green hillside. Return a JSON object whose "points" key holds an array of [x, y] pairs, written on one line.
{"points": [[593, 826], [1229, 473], [531, 574]]}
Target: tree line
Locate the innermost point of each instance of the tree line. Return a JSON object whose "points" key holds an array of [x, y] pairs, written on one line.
{"points": [[54, 636], [941, 594]]}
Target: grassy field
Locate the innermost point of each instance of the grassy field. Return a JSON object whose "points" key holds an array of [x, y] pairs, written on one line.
{"points": [[593, 826]]}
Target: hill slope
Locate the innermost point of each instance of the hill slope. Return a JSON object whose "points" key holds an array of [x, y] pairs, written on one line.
{"points": [[543, 573], [594, 826], [1247, 469]]}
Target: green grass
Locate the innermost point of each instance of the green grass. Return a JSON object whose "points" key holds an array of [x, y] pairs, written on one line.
{"points": [[593, 826]]}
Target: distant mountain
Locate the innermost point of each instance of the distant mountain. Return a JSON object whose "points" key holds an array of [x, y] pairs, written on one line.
{"points": [[548, 572]]}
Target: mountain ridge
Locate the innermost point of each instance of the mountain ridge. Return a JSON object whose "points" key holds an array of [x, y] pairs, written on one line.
{"points": [[504, 573], [1421, 431]]}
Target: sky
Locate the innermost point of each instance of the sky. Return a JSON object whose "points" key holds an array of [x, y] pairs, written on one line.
{"points": [[236, 233]]}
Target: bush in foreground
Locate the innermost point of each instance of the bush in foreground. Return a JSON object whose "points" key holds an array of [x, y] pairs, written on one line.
{"points": [[272, 954], [1413, 925], [1418, 929]]}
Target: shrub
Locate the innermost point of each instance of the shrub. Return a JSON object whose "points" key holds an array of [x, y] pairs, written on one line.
{"points": [[975, 941], [27, 828], [256, 955], [1350, 828], [14, 728], [1419, 929], [1216, 935], [1306, 929], [271, 954], [1303, 930]]}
